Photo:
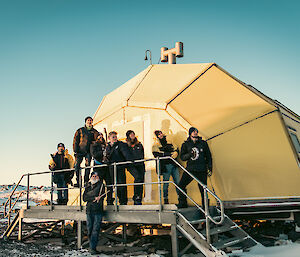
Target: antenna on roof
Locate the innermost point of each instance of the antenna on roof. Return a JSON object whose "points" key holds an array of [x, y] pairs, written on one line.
{"points": [[171, 54], [149, 56]]}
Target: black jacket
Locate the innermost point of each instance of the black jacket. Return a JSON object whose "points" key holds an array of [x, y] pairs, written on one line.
{"points": [[83, 138], [61, 163], [118, 152], [164, 148], [97, 150], [196, 154], [137, 153], [90, 192], [136, 150]]}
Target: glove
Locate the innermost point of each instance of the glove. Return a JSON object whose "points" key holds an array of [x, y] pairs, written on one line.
{"points": [[52, 166], [174, 155], [209, 173]]}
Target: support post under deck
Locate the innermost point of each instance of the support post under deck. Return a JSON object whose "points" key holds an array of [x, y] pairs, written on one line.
{"points": [[20, 229], [174, 240], [79, 234], [124, 232]]}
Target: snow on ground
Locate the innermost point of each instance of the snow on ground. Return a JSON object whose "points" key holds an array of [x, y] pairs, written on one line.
{"points": [[38, 194], [287, 250]]}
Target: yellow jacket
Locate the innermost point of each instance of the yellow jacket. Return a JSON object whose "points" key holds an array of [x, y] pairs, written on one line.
{"points": [[67, 156]]}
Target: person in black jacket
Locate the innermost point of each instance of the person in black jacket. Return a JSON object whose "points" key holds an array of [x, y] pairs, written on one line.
{"points": [[61, 160], [164, 147], [137, 170], [118, 151], [98, 152], [83, 138], [199, 161], [93, 195]]}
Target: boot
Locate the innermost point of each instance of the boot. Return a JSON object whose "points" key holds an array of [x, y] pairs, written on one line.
{"points": [[137, 200], [166, 201], [182, 204]]}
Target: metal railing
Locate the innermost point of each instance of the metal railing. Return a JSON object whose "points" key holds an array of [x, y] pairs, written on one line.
{"points": [[157, 160]]}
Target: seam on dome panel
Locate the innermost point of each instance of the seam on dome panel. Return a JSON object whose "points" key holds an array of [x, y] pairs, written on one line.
{"points": [[145, 107], [109, 115], [139, 84], [249, 87], [99, 106], [197, 77], [290, 118], [249, 121], [177, 120]]}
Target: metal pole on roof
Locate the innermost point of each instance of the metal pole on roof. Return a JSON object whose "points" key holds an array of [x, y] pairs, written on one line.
{"points": [[150, 57]]}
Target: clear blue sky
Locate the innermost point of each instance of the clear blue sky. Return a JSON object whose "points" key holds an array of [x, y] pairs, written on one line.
{"points": [[59, 58]]}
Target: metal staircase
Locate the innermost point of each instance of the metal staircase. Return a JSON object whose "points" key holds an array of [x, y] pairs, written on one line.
{"points": [[223, 238]]}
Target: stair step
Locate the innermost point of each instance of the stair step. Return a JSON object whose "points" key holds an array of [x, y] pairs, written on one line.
{"points": [[197, 221], [229, 242], [219, 230]]}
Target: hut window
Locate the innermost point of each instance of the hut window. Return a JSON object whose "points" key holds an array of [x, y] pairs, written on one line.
{"points": [[295, 142]]}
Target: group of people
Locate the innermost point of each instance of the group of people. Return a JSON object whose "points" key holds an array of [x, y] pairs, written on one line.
{"points": [[89, 144]]}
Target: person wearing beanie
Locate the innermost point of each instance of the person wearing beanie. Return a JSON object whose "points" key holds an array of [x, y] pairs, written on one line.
{"points": [[61, 160], [163, 147], [82, 141], [137, 170], [94, 194], [199, 162]]}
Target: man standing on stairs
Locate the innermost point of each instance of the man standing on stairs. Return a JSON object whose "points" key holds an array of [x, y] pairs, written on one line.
{"points": [[163, 147], [83, 138], [199, 162], [61, 160]]}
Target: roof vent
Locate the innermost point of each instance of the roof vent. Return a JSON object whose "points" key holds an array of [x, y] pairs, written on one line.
{"points": [[171, 54]]}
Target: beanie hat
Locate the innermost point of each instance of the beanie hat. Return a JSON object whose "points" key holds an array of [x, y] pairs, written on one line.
{"points": [[157, 132], [94, 173], [192, 129], [88, 117], [60, 145], [129, 132]]}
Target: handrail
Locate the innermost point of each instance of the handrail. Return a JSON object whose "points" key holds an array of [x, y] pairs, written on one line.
{"points": [[115, 185], [11, 194], [206, 189], [11, 208]]}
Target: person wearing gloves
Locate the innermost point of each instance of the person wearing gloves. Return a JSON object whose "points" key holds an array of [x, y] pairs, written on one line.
{"points": [[93, 194], [165, 147], [61, 160], [199, 162]]}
